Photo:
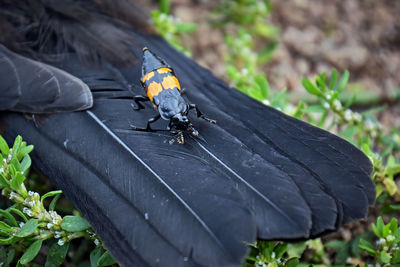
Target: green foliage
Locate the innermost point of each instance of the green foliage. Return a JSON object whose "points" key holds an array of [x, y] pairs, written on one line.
{"points": [[248, 26], [347, 251], [27, 225], [387, 250], [249, 14], [271, 254], [171, 28]]}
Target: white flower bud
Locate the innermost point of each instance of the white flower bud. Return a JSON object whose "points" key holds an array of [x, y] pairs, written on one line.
{"points": [[390, 238], [348, 115], [337, 105]]}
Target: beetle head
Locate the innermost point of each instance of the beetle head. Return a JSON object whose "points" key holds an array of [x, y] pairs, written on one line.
{"points": [[181, 123]]}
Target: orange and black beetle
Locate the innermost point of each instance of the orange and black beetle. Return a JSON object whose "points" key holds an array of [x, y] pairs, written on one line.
{"points": [[164, 91]]}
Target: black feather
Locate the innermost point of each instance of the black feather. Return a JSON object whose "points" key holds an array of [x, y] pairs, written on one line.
{"points": [[93, 28], [35, 87]]}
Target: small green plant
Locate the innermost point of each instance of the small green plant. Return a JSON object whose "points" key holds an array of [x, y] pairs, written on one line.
{"points": [[248, 26], [387, 249], [270, 254], [26, 224], [171, 28]]}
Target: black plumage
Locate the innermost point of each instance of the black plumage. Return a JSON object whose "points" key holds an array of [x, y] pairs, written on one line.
{"points": [[35, 87], [257, 173]]}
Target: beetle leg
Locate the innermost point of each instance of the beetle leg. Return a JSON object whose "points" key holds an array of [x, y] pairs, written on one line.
{"points": [[200, 114], [138, 99], [148, 127], [169, 127]]}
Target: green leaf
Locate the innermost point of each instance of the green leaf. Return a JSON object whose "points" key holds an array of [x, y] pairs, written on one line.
{"points": [[333, 80], [20, 214], [56, 255], [5, 149], [310, 87], [314, 109], [367, 246], [7, 241], [16, 164], [53, 202], [5, 228], [10, 218], [164, 6], [384, 257], [10, 256], [390, 186], [349, 133], [26, 163], [4, 181], [95, 256], [74, 224], [50, 194], [28, 228], [106, 260], [31, 252], [255, 94], [396, 258], [393, 169], [335, 244], [343, 81], [390, 208], [11, 170], [379, 227], [186, 27], [320, 82], [342, 254], [16, 146], [17, 181], [280, 249], [263, 85], [3, 256], [393, 225], [25, 151], [296, 249], [232, 72], [292, 262]]}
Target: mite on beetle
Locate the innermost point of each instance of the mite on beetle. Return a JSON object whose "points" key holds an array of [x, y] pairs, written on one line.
{"points": [[164, 91]]}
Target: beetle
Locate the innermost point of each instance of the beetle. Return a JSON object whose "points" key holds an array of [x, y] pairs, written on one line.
{"points": [[163, 89]]}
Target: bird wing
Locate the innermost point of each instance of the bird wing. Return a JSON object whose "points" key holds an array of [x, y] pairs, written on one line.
{"points": [[258, 173]]}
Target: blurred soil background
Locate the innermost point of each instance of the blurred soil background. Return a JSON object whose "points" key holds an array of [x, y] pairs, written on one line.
{"points": [[361, 36]]}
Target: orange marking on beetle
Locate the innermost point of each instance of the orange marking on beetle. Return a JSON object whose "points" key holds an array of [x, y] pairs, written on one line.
{"points": [[153, 90], [170, 82], [148, 76], [177, 83], [164, 70]]}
